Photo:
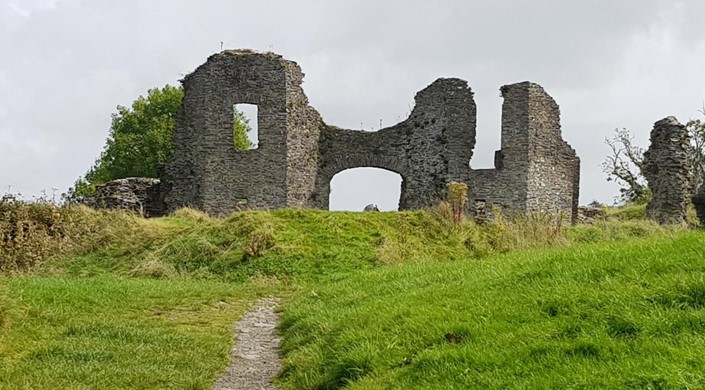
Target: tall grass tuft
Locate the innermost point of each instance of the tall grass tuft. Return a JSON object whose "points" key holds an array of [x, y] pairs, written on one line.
{"points": [[192, 214], [260, 240], [457, 196], [526, 231]]}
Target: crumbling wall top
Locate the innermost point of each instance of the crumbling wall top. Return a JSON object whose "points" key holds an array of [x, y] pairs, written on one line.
{"points": [[299, 153]]}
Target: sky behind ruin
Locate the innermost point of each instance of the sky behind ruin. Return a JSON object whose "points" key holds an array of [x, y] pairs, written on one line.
{"points": [[66, 64]]}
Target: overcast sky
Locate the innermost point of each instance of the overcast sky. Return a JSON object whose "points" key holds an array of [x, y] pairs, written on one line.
{"points": [[66, 64]]}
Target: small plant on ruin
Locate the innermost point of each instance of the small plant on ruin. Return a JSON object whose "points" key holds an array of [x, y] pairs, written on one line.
{"points": [[457, 196]]}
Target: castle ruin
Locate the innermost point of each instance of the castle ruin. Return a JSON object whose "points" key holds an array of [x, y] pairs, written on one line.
{"points": [[298, 153], [667, 170]]}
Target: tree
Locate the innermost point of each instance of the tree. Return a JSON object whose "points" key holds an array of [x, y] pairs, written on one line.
{"points": [[140, 139], [696, 129], [241, 126], [625, 164]]}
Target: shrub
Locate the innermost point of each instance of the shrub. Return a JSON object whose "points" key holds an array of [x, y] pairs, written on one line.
{"points": [[34, 231], [457, 196]]}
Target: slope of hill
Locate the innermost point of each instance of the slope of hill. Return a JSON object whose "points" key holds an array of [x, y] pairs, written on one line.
{"points": [[371, 300], [622, 315]]}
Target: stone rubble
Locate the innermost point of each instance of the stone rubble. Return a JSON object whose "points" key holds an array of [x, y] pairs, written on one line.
{"points": [[140, 195]]}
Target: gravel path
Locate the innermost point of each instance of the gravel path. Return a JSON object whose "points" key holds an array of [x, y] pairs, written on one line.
{"points": [[255, 359]]}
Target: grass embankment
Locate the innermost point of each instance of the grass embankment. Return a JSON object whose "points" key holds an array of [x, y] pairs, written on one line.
{"points": [[621, 315], [106, 300], [289, 245]]}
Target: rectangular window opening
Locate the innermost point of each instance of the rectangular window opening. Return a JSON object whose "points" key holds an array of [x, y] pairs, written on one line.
{"points": [[245, 129]]}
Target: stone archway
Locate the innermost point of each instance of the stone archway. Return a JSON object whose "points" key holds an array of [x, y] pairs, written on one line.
{"points": [[353, 189], [299, 153]]}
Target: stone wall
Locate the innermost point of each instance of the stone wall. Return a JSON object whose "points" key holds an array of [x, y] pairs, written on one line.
{"points": [[536, 170], [667, 169], [137, 194], [207, 172], [430, 148], [299, 154]]}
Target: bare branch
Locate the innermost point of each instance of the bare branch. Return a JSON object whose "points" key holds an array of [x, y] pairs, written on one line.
{"points": [[624, 165]]}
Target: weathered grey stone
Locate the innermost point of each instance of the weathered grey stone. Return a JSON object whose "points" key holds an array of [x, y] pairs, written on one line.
{"points": [[137, 194], [536, 170], [299, 153], [667, 170], [371, 207], [589, 214]]}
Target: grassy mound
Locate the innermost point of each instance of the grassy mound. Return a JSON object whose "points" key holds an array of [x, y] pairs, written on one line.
{"points": [[284, 243], [380, 300], [308, 244], [622, 315]]}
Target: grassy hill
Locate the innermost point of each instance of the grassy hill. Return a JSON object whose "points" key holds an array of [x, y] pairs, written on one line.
{"points": [[371, 300], [621, 315]]}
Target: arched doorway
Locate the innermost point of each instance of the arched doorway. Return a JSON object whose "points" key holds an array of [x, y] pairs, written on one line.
{"points": [[353, 189]]}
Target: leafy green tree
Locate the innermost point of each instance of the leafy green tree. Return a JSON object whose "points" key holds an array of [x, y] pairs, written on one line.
{"points": [[140, 139], [241, 126]]}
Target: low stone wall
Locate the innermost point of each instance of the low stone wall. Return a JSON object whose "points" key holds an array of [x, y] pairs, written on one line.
{"points": [[589, 214], [140, 195]]}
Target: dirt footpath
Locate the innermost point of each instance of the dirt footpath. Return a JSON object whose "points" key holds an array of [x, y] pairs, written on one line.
{"points": [[255, 359]]}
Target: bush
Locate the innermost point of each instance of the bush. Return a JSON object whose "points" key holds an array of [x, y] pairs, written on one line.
{"points": [[34, 231], [457, 196], [628, 212]]}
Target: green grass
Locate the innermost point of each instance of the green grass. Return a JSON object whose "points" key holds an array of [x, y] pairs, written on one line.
{"points": [[309, 244], [373, 300], [621, 315], [117, 333], [284, 244], [627, 212]]}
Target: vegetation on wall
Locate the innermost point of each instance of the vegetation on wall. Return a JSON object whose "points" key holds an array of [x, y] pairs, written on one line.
{"points": [[140, 139]]}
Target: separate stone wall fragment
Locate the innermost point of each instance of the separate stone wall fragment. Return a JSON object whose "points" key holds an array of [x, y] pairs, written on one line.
{"points": [[140, 195], [667, 170]]}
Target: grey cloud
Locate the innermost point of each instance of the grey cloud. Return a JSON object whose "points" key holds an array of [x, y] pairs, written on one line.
{"points": [[609, 64]]}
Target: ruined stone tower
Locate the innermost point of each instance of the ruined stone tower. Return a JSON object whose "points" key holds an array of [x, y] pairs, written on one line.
{"points": [[207, 172], [536, 170], [667, 169], [299, 154]]}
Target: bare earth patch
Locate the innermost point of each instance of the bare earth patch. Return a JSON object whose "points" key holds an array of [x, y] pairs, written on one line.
{"points": [[255, 360]]}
